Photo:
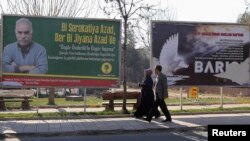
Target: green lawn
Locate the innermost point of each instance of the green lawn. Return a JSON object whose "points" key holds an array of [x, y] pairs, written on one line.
{"points": [[9, 116], [58, 101], [62, 102], [94, 101], [231, 100], [97, 102]]}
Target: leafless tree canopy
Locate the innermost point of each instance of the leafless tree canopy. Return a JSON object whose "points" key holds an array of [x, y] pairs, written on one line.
{"points": [[133, 13], [139, 14], [67, 8]]}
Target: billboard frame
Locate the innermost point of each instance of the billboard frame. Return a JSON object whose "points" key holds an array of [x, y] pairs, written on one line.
{"points": [[95, 78], [197, 23]]}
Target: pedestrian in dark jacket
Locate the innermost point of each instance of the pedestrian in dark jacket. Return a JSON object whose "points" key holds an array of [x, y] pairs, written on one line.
{"points": [[147, 96], [161, 91]]}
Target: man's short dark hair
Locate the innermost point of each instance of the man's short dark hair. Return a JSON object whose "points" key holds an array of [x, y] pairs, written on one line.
{"points": [[158, 67]]}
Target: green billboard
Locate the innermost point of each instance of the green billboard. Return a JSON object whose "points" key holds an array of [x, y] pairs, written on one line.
{"points": [[75, 49]]}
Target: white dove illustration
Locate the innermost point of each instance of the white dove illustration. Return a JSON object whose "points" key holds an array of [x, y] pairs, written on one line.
{"points": [[169, 58]]}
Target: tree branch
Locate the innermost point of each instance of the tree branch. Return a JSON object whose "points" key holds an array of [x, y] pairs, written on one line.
{"points": [[67, 8]]}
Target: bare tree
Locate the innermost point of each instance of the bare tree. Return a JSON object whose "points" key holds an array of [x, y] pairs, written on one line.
{"points": [[128, 10], [244, 18], [66, 8], [141, 26]]}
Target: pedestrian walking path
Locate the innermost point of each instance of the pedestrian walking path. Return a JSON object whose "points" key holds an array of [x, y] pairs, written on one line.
{"points": [[99, 109], [93, 125]]}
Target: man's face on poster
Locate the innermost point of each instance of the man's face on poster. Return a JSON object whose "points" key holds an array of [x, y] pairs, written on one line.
{"points": [[23, 34]]}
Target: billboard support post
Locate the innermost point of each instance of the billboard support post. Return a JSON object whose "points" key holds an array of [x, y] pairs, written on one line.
{"points": [[221, 97], [37, 91], [181, 98], [85, 99]]}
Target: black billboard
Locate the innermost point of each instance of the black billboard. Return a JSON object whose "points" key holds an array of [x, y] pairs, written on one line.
{"points": [[202, 53]]}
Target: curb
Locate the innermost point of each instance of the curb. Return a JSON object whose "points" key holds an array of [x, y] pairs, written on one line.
{"points": [[118, 116], [103, 132]]}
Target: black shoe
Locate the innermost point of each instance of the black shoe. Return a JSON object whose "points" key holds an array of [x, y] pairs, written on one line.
{"points": [[148, 119], [167, 120]]}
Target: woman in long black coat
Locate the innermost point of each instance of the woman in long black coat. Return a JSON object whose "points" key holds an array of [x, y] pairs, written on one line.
{"points": [[147, 96]]}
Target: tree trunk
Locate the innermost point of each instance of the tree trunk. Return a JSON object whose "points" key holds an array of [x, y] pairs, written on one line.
{"points": [[124, 109], [51, 99]]}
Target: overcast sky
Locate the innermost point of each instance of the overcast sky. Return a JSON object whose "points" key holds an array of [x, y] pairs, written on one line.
{"points": [[201, 10], [206, 10]]}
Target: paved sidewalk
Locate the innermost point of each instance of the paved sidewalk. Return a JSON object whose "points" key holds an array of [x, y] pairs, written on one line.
{"points": [[94, 125], [98, 109]]}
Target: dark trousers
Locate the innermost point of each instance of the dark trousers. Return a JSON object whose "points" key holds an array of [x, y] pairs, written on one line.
{"points": [[164, 109]]}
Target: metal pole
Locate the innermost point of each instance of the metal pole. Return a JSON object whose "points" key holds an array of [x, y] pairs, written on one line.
{"points": [[221, 97], [181, 98], [37, 91], [85, 100]]}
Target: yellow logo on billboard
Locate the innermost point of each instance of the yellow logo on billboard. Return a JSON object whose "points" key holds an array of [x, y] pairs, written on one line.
{"points": [[106, 68]]}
